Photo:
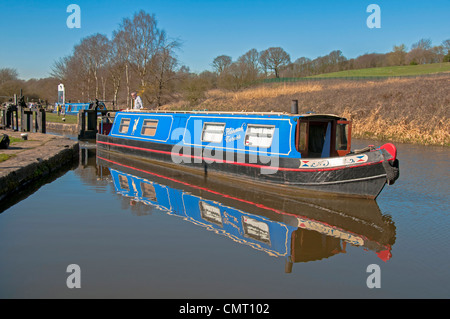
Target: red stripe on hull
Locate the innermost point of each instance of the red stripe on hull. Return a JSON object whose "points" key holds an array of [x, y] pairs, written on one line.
{"points": [[237, 163]]}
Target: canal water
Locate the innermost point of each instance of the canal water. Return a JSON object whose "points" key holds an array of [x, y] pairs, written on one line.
{"points": [[138, 231]]}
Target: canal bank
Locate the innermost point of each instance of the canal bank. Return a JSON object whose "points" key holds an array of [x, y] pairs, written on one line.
{"points": [[70, 129], [32, 159]]}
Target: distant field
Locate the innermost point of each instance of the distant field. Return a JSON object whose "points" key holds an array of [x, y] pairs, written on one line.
{"points": [[406, 70]]}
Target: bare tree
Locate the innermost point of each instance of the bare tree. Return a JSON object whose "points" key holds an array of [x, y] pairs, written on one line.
{"points": [[221, 63], [163, 71], [369, 60], [138, 51], [94, 50], [59, 68], [234, 77], [118, 64], [398, 55], [11, 87], [74, 72], [194, 86], [302, 67], [424, 44], [264, 62], [145, 40], [8, 74], [250, 65], [336, 60], [274, 59], [437, 54], [420, 52], [446, 45]]}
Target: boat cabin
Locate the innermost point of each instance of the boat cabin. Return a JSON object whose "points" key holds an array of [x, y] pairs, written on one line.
{"points": [[319, 136], [75, 108], [271, 134]]}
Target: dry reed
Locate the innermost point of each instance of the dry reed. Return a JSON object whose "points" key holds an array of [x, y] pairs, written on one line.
{"points": [[413, 110]]}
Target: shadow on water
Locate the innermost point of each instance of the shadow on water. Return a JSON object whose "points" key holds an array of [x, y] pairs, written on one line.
{"points": [[64, 134], [295, 226], [30, 189], [86, 157]]}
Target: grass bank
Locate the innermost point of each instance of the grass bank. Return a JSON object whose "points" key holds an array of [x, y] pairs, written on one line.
{"points": [[54, 118], [4, 157], [411, 110], [405, 70], [12, 141]]}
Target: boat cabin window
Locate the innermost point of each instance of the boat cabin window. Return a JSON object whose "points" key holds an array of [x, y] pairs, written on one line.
{"points": [[341, 136], [210, 213], [213, 132], [124, 125], [123, 182], [148, 191], [259, 135], [256, 229], [149, 127]]}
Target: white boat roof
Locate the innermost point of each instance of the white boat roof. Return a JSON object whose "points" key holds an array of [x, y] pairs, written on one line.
{"points": [[233, 113]]}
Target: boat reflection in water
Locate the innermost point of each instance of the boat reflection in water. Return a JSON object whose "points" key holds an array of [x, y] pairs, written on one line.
{"points": [[300, 229]]}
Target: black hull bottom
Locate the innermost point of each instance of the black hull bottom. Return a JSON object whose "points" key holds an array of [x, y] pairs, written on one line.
{"points": [[364, 181]]}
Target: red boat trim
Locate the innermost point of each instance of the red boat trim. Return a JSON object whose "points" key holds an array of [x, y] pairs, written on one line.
{"points": [[237, 163], [391, 149]]}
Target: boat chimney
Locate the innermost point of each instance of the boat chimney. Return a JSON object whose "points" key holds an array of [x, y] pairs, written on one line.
{"points": [[294, 107]]}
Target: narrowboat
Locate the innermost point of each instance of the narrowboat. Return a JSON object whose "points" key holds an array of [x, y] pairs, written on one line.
{"points": [[308, 152], [283, 226], [75, 108]]}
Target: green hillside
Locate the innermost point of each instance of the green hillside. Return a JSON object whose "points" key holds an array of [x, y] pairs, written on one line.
{"points": [[406, 70]]}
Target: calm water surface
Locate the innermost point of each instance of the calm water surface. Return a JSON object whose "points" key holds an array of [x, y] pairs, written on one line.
{"points": [[139, 232]]}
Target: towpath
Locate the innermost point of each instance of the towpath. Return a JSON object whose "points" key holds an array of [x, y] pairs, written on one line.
{"points": [[29, 160]]}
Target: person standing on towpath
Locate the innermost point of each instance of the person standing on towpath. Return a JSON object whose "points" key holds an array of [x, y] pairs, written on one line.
{"points": [[137, 101]]}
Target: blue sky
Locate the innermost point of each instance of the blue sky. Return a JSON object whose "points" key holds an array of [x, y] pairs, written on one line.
{"points": [[34, 34]]}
